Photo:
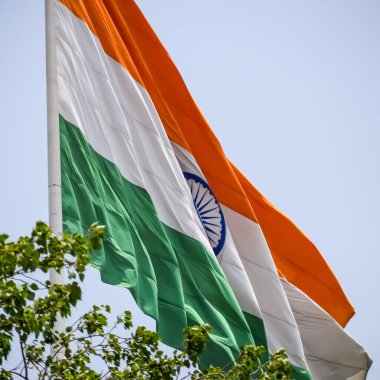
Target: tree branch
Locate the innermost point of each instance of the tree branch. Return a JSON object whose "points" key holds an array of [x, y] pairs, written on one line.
{"points": [[23, 358]]}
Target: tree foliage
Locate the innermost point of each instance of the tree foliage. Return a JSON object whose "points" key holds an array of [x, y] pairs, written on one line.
{"points": [[91, 347]]}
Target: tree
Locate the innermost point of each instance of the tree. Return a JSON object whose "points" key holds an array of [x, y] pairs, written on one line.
{"points": [[91, 347]]}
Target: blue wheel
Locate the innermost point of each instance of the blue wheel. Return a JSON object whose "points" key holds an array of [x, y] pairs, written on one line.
{"points": [[209, 211]]}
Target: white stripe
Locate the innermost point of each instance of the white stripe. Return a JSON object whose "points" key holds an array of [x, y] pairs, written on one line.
{"points": [[248, 253], [362, 375], [279, 322], [330, 352], [120, 122], [237, 277]]}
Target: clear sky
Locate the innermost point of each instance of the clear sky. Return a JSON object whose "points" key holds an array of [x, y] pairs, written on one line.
{"points": [[292, 90]]}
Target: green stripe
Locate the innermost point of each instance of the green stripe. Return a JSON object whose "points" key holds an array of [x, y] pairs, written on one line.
{"points": [[298, 373], [173, 278], [256, 326]]}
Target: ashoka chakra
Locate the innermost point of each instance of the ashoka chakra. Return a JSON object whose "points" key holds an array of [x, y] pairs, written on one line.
{"points": [[209, 211]]}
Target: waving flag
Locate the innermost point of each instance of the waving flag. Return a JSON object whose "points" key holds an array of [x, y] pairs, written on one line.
{"points": [[187, 233]]}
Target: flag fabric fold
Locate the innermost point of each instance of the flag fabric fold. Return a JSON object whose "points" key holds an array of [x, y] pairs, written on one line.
{"points": [[187, 233]]}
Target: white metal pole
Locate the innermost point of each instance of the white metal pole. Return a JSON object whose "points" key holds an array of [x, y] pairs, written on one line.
{"points": [[54, 162]]}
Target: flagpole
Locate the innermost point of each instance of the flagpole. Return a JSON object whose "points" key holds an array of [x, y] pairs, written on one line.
{"points": [[54, 162]]}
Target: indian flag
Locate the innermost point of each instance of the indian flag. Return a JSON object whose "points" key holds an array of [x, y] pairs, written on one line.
{"points": [[187, 233]]}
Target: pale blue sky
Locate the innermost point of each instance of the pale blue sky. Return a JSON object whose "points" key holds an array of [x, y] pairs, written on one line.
{"points": [[292, 90]]}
